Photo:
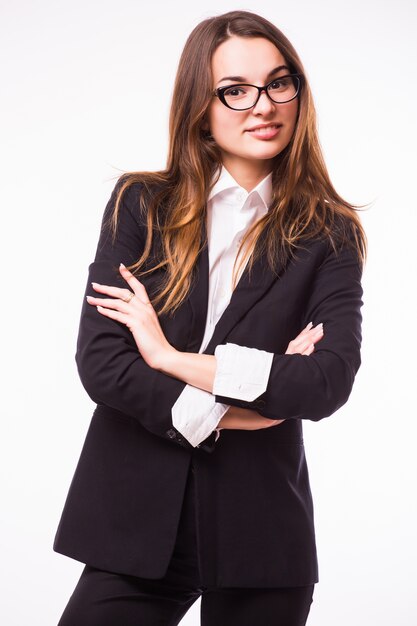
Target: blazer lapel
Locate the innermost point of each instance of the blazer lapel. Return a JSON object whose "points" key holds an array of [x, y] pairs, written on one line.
{"points": [[198, 297], [246, 294]]}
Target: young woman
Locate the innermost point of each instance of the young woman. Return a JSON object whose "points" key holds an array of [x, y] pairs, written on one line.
{"points": [[222, 309]]}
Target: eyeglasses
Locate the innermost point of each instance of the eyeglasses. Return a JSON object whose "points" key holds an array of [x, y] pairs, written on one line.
{"points": [[243, 96]]}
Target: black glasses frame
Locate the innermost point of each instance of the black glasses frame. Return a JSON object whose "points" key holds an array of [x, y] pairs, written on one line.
{"points": [[219, 92]]}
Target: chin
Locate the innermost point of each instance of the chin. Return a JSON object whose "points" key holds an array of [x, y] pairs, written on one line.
{"points": [[264, 154]]}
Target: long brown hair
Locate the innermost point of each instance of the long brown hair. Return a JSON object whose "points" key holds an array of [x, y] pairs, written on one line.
{"points": [[304, 205]]}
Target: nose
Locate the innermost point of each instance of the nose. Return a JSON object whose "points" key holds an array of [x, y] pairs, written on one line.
{"points": [[264, 104]]}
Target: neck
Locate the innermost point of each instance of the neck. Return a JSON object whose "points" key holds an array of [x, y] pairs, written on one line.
{"points": [[246, 173]]}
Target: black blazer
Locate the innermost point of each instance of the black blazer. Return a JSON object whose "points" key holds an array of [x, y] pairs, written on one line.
{"points": [[255, 504]]}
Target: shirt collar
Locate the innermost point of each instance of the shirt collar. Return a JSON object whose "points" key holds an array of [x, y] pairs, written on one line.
{"points": [[227, 185]]}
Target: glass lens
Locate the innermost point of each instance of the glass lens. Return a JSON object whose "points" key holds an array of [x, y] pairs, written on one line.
{"points": [[283, 89], [240, 96]]}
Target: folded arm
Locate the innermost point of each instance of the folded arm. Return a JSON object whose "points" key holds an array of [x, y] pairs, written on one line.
{"points": [[283, 386], [315, 387], [234, 370], [196, 413], [109, 364]]}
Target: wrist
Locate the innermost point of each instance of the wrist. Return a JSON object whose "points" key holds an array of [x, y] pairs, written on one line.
{"points": [[167, 361]]}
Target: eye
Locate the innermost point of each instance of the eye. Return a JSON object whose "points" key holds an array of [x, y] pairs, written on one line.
{"points": [[279, 84], [235, 91]]}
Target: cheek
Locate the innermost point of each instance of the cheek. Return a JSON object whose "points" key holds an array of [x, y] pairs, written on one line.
{"points": [[220, 125], [224, 133], [222, 122], [291, 113]]}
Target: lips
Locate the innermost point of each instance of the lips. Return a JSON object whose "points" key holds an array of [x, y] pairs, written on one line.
{"points": [[263, 128], [265, 132]]}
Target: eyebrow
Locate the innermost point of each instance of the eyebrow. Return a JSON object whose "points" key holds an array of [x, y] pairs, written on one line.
{"points": [[243, 79]]}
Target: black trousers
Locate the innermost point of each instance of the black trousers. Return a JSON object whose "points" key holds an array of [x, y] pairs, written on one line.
{"points": [[105, 598]]}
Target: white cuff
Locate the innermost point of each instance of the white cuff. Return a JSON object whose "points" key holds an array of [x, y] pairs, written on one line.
{"points": [[196, 414], [241, 372]]}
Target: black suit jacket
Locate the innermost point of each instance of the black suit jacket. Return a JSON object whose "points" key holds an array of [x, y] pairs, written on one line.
{"points": [[255, 509]]}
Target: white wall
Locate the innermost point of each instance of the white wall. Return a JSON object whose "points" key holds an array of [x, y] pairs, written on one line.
{"points": [[76, 110]]}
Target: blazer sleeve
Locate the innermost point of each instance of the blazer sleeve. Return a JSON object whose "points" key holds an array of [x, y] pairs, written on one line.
{"points": [[109, 363], [313, 387]]}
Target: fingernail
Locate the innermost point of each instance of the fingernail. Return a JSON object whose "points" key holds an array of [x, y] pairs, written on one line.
{"points": [[96, 284], [309, 325], [121, 265]]}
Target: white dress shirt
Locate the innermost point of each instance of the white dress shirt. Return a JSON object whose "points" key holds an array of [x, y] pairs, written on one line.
{"points": [[241, 372]]}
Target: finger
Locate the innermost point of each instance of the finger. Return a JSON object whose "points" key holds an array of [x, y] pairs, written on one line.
{"points": [[309, 350], [120, 293], [304, 332], [114, 315], [108, 303], [314, 336], [116, 292], [318, 333], [315, 330], [134, 283], [311, 328], [298, 346], [307, 335]]}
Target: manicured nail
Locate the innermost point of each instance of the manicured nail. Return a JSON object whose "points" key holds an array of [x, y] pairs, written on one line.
{"points": [[121, 265], [309, 325], [96, 284]]}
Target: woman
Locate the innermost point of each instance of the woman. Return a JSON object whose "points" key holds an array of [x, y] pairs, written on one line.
{"points": [[222, 308]]}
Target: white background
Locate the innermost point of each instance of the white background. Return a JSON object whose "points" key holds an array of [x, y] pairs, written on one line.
{"points": [[85, 95]]}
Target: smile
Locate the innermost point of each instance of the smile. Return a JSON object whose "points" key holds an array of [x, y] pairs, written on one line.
{"points": [[266, 131]]}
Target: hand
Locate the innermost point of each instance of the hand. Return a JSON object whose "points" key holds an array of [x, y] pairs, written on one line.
{"points": [[138, 315], [237, 418], [304, 342]]}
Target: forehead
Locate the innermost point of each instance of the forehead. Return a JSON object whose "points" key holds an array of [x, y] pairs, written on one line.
{"points": [[251, 57]]}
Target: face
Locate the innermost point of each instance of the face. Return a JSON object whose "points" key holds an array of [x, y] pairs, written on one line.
{"points": [[247, 152]]}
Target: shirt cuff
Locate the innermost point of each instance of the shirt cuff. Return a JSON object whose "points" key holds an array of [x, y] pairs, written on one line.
{"points": [[196, 414], [241, 372]]}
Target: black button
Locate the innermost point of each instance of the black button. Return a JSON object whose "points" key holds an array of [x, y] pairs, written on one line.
{"points": [[171, 433]]}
